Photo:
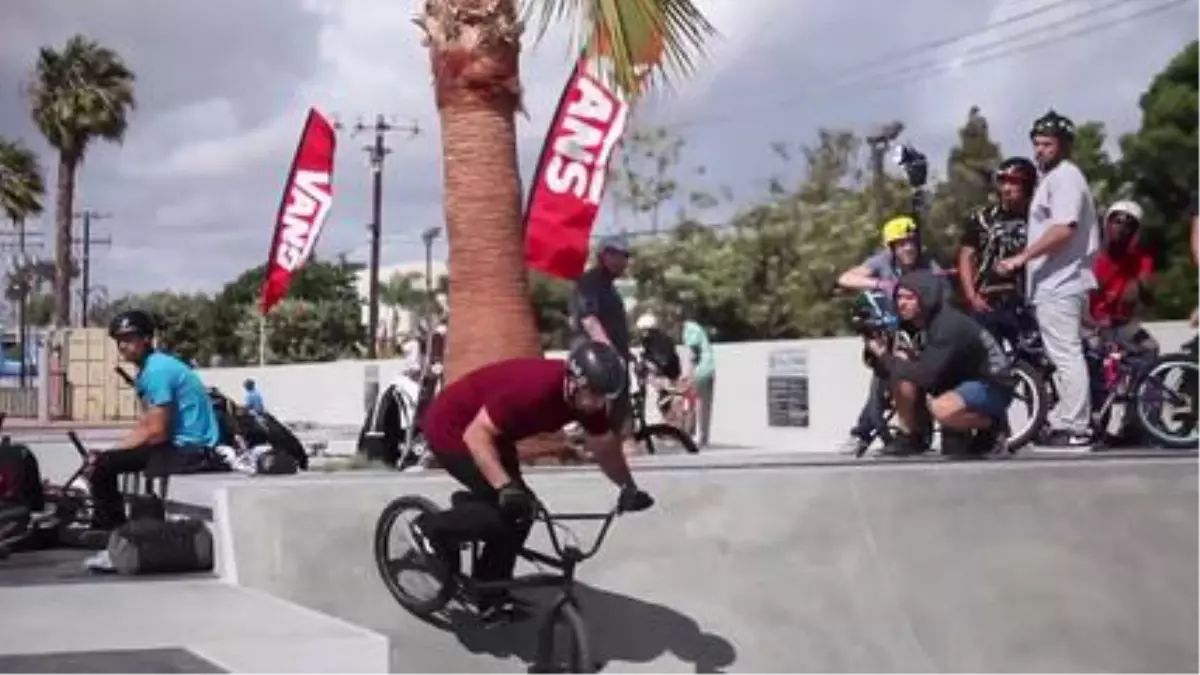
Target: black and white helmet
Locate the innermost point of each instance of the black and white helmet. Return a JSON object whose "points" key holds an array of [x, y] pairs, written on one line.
{"points": [[134, 322], [1053, 124], [597, 367]]}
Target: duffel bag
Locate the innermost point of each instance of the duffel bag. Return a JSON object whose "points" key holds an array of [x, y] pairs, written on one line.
{"points": [[20, 477], [274, 462], [161, 547]]}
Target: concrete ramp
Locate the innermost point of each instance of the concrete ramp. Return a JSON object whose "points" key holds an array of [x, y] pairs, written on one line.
{"points": [[1086, 565]]}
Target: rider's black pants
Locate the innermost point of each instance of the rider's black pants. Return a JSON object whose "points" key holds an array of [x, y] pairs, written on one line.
{"points": [[481, 518], [108, 505]]}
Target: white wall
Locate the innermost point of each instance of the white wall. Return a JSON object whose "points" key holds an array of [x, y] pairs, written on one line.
{"points": [[333, 393]]}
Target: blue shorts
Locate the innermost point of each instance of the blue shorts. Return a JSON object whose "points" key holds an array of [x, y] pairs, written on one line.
{"points": [[985, 398]]}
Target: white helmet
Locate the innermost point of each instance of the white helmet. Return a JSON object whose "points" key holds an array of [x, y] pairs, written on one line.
{"points": [[1125, 206], [647, 321]]}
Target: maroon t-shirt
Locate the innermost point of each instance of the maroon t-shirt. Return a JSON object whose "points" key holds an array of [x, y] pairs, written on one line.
{"points": [[523, 398]]}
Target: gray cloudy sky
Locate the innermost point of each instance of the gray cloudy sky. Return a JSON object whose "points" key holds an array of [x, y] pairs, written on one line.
{"points": [[223, 86]]}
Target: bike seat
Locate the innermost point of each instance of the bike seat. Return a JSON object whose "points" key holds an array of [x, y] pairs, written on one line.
{"points": [[459, 497]]}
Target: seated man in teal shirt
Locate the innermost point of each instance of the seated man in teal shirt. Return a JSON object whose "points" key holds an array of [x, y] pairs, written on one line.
{"points": [[177, 432], [702, 371]]}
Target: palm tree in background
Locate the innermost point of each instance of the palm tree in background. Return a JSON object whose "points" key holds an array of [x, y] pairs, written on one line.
{"points": [[474, 51], [402, 293], [79, 94], [22, 189]]}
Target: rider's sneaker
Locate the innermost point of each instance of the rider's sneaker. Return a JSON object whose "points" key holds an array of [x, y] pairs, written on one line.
{"points": [[502, 608]]}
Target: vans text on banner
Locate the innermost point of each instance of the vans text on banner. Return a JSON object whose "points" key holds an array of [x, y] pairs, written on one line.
{"points": [[307, 198], [572, 171]]}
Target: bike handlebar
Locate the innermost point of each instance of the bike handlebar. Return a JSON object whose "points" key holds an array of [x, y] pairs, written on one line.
{"points": [[550, 519]]}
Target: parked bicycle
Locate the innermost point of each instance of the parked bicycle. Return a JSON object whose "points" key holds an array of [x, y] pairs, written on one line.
{"points": [[563, 643]]}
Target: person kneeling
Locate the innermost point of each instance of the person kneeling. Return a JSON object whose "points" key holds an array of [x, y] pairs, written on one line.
{"points": [[178, 432], [960, 366]]}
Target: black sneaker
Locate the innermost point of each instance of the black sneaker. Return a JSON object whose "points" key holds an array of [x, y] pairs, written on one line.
{"points": [[502, 608], [904, 445], [991, 442], [1061, 439]]}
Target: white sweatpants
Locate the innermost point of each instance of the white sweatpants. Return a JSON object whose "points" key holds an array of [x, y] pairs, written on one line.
{"points": [[1061, 324]]}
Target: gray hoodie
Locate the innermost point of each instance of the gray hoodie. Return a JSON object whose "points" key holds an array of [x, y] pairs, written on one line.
{"points": [[956, 348]]}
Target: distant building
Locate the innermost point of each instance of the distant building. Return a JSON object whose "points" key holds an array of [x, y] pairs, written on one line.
{"points": [[403, 318]]}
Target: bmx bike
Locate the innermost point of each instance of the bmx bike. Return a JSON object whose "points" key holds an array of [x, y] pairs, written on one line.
{"points": [[455, 585], [668, 399]]}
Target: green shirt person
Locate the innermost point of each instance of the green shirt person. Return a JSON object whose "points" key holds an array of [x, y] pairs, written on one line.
{"points": [[702, 372]]}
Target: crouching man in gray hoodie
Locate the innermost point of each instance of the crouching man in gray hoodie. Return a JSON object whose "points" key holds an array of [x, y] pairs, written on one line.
{"points": [[960, 366]]}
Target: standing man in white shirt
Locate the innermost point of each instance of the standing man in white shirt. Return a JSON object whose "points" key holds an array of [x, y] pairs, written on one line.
{"points": [[1064, 237]]}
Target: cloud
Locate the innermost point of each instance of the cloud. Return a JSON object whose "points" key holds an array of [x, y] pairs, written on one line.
{"points": [[223, 86]]}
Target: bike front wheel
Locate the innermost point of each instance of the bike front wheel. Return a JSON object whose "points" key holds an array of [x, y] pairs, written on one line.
{"points": [[403, 558], [656, 436], [563, 645], [1166, 403]]}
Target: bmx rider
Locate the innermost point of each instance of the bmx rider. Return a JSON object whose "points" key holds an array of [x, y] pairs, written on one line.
{"points": [[473, 427]]}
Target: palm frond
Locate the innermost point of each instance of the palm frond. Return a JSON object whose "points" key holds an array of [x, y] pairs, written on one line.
{"points": [[21, 183], [82, 92], [631, 30]]}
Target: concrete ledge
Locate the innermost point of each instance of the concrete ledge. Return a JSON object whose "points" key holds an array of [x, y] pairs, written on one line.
{"points": [[1055, 565], [239, 629]]}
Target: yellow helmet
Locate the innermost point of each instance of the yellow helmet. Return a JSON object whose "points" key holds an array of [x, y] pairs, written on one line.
{"points": [[897, 229]]}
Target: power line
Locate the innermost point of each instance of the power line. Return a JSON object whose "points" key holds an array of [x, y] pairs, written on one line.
{"points": [[924, 67]]}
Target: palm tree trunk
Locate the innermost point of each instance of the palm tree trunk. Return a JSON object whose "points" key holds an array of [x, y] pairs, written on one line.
{"points": [[65, 204], [491, 317]]}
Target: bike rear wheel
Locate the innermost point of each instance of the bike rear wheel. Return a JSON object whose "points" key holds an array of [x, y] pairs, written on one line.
{"points": [[1153, 391], [391, 566], [654, 436], [563, 645]]}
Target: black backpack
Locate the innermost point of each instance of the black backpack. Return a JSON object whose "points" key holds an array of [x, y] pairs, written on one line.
{"points": [[659, 350]]}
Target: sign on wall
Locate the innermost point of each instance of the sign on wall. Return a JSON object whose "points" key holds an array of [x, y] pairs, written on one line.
{"points": [[787, 387]]}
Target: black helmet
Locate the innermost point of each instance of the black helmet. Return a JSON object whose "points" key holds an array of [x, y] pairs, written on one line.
{"points": [[1019, 168], [598, 367], [132, 322], [1053, 124]]}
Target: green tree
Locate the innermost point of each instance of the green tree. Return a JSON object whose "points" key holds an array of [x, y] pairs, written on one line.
{"points": [[316, 282], [1095, 162], [185, 321], [551, 308], [79, 94], [1159, 160], [967, 185], [300, 331]]}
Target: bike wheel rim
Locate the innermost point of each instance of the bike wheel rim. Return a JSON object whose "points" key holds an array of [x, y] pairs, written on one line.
{"points": [[1147, 405]]}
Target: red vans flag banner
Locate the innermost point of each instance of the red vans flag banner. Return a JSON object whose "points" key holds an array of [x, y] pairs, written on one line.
{"points": [[572, 171], [307, 197]]}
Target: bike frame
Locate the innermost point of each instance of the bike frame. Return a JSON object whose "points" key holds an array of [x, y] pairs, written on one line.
{"points": [[565, 560]]}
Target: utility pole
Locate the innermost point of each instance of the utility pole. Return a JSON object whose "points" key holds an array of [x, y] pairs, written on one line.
{"points": [[86, 241], [376, 152], [428, 236], [880, 140]]}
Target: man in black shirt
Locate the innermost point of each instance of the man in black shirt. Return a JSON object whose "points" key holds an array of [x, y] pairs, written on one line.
{"points": [[990, 234], [598, 312]]}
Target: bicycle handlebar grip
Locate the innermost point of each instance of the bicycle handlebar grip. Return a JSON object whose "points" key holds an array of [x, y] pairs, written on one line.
{"points": [[79, 447]]}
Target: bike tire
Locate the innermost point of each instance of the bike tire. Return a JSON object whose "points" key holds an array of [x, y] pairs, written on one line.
{"points": [[1041, 408], [383, 526], [646, 435], [1169, 441], [579, 659]]}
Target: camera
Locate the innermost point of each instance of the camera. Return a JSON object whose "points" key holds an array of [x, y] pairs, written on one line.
{"points": [[914, 164], [873, 313]]}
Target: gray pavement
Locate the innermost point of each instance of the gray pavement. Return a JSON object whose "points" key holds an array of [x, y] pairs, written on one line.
{"points": [[1019, 566]]}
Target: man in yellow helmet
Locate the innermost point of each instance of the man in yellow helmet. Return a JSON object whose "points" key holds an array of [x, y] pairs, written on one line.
{"points": [[901, 253]]}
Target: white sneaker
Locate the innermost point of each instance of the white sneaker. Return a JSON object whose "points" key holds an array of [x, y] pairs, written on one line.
{"points": [[101, 562]]}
